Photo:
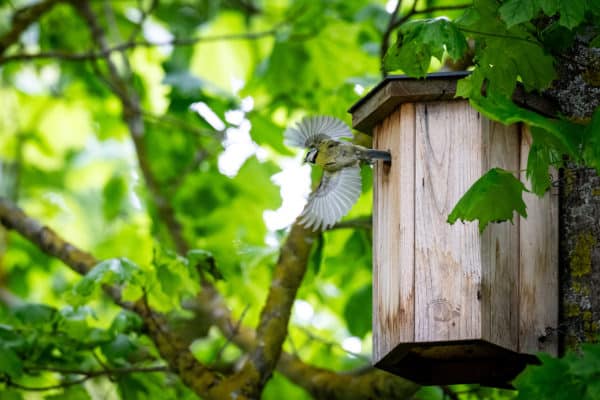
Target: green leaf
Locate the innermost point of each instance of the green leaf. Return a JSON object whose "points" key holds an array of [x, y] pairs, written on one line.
{"points": [[591, 149], [126, 321], [357, 312], [315, 259], [498, 187], [516, 11], [418, 41], [36, 314], [503, 55], [132, 388], [550, 7], [430, 393], [572, 12], [114, 195], [266, 133], [74, 321], [75, 392], [564, 136], [544, 152], [204, 260], [10, 363], [112, 271], [556, 38], [119, 348], [538, 163], [588, 365]]}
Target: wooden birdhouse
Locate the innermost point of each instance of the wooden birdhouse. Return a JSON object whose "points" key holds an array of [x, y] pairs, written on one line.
{"points": [[451, 305]]}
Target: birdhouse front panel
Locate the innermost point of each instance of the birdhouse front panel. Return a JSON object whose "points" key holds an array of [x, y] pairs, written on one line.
{"points": [[451, 304]]}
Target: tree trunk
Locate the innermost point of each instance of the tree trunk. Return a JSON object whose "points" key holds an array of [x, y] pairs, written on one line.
{"points": [[580, 257]]}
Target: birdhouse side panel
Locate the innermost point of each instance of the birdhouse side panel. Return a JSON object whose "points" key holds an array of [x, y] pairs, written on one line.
{"points": [[538, 286], [393, 233], [447, 257], [499, 295]]}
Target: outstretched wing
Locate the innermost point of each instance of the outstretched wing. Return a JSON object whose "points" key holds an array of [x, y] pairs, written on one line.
{"points": [[310, 130], [335, 196]]}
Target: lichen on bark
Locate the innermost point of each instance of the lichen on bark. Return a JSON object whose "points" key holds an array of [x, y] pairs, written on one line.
{"points": [[580, 256]]}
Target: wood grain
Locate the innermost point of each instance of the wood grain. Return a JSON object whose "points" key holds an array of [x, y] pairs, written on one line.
{"points": [[395, 92], [393, 234], [500, 245], [538, 286], [447, 257]]}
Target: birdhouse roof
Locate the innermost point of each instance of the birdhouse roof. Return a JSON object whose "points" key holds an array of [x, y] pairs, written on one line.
{"points": [[394, 90]]}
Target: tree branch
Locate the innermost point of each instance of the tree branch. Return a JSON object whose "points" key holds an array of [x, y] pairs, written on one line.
{"points": [[289, 272], [273, 326], [321, 383], [21, 20], [210, 303], [356, 223], [172, 348], [135, 121], [86, 375], [131, 44]]}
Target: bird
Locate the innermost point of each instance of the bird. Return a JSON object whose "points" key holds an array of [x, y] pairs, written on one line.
{"points": [[340, 184]]}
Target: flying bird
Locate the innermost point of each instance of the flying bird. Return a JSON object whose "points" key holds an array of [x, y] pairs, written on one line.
{"points": [[340, 184]]}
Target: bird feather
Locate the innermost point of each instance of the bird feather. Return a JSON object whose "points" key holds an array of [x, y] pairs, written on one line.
{"points": [[310, 130], [335, 196]]}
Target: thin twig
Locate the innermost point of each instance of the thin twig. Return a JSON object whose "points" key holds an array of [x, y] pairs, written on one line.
{"points": [[8, 382], [311, 336], [99, 54], [356, 223], [385, 40], [145, 13], [86, 375], [500, 35], [21, 20], [232, 333]]}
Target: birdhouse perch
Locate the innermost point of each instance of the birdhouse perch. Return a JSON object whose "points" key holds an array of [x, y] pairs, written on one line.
{"points": [[451, 305]]}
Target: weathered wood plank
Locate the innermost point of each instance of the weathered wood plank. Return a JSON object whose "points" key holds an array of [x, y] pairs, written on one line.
{"points": [[395, 92], [447, 257], [499, 295], [397, 89], [538, 286], [393, 316]]}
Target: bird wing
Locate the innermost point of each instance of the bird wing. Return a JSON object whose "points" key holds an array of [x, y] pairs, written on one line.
{"points": [[335, 196], [310, 130]]}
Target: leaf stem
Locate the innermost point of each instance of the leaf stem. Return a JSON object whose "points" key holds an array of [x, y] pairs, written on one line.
{"points": [[498, 35]]}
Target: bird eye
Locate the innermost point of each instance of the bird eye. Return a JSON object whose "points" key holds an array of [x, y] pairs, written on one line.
{"points": [[330, 145]]}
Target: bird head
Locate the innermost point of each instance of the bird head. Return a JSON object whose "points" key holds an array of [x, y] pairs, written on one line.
{"points": [[311, 156]]}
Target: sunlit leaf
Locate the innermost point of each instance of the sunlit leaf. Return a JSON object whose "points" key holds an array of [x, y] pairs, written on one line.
{"points": [[10, 363], [498, 187], [357, 312]]}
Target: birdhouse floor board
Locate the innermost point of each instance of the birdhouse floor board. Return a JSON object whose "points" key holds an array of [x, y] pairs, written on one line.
{"points": [[469, 361]]}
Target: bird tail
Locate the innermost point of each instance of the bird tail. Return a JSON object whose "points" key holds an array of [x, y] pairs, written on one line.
{"points": [[379, 155]]}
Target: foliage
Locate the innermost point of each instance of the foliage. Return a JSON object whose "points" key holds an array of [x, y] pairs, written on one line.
{"points": [[496, 186], [563, 378], [510, 47], [203, 195]]}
